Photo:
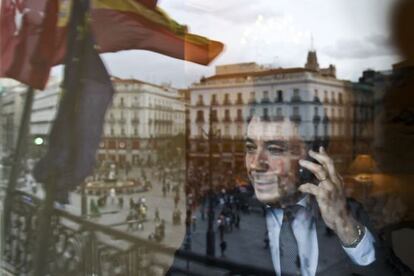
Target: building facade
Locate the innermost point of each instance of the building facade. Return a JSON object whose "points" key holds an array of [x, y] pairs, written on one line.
{"points": [[322, 106], [12, 100], [141, 118]]}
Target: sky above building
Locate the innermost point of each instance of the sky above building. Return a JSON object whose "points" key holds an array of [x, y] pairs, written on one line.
{"points": [[354, 35]]}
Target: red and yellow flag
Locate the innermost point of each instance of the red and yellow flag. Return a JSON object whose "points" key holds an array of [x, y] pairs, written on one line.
{"points": [[117, 25]]}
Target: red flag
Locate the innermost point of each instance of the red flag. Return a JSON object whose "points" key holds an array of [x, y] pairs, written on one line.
{"points": [[27, 40], [117, 25]]}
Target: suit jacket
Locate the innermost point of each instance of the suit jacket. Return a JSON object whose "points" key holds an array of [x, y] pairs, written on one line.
{"points": [[332, 260]]}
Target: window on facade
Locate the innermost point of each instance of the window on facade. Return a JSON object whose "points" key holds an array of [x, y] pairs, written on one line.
{"points": [[135, 131], [239, 113], [266, 95], [226, 131], [214, 99], [112, 131], [296, 93], [296, 110], [239, 97], [333, 112], [226, 98], [316, 93], [340, 98], [227, 114], [265, 112], [214, 115], [200, 115], [122, 131], [252, 96], [332, 96], [200, 99], [280, 96], [279, 111], [121, 101], [316, 110]]}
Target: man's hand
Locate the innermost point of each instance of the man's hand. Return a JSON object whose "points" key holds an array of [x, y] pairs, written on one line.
{"points": [[330, 196]]}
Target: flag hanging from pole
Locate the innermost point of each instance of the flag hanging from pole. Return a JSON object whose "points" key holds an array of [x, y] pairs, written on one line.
{"points": [[77, 130], [33, 35]]}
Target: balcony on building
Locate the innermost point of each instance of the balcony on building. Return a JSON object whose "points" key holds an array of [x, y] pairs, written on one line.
{"points": [[252, 101], [265, 118], [265, 100], [200, 103], [316, 119], [214, 118], [200, 119], [214, 102], [296, 99], [226, 119], [226, 102], [316, 99], [278, 118], [279, 100], [239, 119], [296, 118]]}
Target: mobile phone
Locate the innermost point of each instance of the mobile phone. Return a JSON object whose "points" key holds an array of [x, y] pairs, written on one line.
{"points": [[306, 176]]}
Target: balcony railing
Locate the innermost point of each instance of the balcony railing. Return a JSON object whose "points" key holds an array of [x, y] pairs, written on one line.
{"points": [[239, 119], [296, 118], [200, 120], [200, 103], [252, 101], [214, 103], [227, 119], [226, 102], [278, 118], [239, 101], [214, 119], [265, 118], [316, 119], [85, 247], [110, 120], [296, 99], [265, 101]]}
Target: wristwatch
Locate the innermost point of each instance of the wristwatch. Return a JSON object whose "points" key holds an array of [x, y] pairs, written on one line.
{"points": [[361, 233]]}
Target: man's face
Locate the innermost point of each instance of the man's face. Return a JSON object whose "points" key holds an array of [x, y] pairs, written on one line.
{"points": [[273, 150]]}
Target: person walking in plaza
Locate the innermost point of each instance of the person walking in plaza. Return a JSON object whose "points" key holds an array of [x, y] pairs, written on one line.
{"points": [[223, 247]]}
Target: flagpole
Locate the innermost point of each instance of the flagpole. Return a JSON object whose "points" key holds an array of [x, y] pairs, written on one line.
{"points": [[18, 156], [44, 232]]}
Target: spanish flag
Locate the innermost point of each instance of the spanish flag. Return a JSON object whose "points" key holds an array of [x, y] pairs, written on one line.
{"points": [[31, 44]]}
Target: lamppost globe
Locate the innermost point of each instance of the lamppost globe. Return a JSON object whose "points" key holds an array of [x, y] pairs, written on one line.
{"points": [[38, 141]]}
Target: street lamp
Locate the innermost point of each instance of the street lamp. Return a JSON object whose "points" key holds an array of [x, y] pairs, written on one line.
{"points": [[210, 238]]}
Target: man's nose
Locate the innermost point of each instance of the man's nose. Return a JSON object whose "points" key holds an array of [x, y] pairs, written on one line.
{"points": [[260, 161]]}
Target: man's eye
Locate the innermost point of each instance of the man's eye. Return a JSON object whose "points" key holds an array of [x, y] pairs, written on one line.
{"points": [[250, 148], [275, 150]]}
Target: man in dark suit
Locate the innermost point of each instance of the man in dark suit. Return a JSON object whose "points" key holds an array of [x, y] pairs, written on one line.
{"points": [[312, 228]]}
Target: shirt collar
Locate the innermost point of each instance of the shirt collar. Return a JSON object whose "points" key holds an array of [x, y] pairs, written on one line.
{"points": [[304, 202]]}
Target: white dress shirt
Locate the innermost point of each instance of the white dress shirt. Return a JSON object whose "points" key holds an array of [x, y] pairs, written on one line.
{"points": [[304, 229]]}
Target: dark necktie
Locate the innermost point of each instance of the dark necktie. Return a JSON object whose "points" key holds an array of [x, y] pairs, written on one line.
{"points": [[289, 253]]}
